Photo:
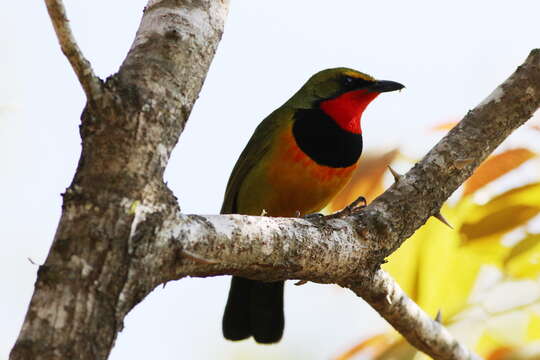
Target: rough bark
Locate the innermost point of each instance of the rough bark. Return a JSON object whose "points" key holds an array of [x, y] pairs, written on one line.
{"points": [[121, 233], [128, 132]]}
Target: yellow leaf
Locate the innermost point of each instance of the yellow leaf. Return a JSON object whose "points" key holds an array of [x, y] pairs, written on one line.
{"points": [[501, 353], [495, 167], [526, 352], [446, 282], [490, 347], [502, 213], [400, 350], [366, 181], [525, 269], [533, 330], [435, 282], [489, 249], [375, 345], [499, 222], [522, 247], [444, 126], [509, 326], [523, 195], [468, 262], [403, 265], [524, 260]]}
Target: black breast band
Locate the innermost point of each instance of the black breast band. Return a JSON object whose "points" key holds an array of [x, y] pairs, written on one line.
{"points": [[324, 141]]}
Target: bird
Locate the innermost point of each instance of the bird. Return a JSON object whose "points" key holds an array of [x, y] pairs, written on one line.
{"points": [[296, 161]]}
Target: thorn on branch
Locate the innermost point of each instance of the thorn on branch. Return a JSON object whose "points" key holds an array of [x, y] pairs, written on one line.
{"points": [[388, 299], [264, 212], [441, 218], [32, 261], [438, 317], [301, 282], [395, 174], [197, 258]]}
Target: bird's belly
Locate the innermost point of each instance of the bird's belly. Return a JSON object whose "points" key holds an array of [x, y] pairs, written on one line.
{"points": [[299, 184]]}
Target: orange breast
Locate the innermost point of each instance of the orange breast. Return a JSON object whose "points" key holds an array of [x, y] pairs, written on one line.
{"points": [[298, 183]]}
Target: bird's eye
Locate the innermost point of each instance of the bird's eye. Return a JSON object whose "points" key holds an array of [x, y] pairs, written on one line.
{"points": [[348, 81]]}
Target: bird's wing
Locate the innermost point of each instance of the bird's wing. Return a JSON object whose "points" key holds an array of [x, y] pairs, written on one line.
{"points": [[254, 152]]}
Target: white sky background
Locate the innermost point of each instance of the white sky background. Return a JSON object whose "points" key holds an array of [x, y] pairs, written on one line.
{"points": [[449, 55]]}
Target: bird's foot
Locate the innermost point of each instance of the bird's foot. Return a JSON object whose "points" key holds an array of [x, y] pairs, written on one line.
{"points": [[353, 208], [314, 216]]}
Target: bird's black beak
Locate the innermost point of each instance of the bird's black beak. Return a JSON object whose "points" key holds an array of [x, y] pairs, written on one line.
{"points": [[385, 86]]}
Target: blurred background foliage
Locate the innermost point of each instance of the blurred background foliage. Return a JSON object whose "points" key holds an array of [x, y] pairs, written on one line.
{"points": [[483, 276]]}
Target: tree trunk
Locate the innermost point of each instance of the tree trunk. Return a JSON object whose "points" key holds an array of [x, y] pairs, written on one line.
{"points": [[129, 127]]}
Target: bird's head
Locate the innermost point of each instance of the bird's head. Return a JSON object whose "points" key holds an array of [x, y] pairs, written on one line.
{"points": [[342, 93]]}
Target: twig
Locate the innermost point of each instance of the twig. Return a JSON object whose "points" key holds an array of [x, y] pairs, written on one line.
{"points": [[429, 336], [91, 84]]}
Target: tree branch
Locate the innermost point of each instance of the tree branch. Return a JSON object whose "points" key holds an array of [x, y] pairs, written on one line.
{"points": [[91, 84], [273, 249], [424, 333], [121, 233]]}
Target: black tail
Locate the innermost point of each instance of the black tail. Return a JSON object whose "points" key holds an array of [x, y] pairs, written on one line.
{"points": [[254, 308]]}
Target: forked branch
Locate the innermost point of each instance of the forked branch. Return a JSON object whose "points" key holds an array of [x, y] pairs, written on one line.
{"points": [[90, 83]]}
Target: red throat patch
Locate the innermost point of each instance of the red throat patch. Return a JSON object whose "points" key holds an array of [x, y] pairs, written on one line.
{"points": [[347, 109]]}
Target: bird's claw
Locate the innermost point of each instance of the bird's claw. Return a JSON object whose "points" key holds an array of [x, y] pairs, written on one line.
{"points": [[314, 216], [353, 208]]}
